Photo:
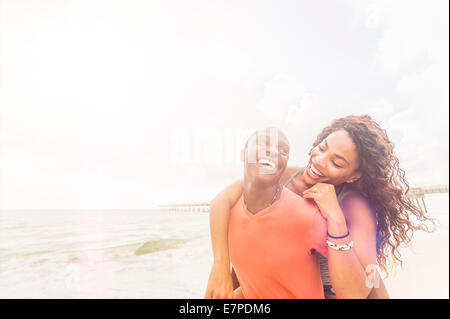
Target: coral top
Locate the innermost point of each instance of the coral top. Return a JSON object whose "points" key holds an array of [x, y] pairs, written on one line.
{"points": [[272, 251]]}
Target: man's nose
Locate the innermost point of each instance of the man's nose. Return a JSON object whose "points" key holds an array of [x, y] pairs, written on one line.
{"points": [[271, 151]]}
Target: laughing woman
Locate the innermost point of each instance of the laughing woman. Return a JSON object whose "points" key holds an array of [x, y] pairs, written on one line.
{"points": [[354, 178]]}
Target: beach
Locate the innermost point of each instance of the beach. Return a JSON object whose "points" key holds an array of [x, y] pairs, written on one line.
{"points": [[425, 268], [159, 254], [425, 271]]}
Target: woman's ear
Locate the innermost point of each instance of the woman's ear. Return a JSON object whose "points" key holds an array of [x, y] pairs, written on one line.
{"points": [[354, 177]]}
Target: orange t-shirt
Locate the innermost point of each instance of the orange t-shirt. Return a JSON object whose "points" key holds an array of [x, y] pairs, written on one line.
{"points": [[271, 251]]}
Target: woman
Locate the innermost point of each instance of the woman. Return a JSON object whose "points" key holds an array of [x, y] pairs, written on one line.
{"points": [[354, 178]]}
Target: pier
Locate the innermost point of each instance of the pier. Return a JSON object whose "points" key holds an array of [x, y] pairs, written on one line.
{"points": [[417, 194], [192, 207]]}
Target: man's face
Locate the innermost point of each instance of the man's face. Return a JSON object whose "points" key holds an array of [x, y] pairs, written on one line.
{"points": [[265, 156]]}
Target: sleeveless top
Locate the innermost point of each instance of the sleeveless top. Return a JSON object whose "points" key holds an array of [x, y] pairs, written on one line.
{"points": [[322, 260]]}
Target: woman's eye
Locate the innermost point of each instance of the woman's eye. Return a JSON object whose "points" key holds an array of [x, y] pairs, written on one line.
{"points": [[338, 166]]}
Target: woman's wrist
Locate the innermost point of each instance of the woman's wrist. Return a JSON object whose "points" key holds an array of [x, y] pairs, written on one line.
{"points": [[337, 227], [335, 217]]}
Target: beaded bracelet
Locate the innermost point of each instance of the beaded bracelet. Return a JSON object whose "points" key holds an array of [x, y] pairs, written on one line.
{"points": [[340, 247]]}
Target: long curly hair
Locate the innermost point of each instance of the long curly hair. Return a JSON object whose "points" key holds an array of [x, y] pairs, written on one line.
{"points": [[384, 185]]}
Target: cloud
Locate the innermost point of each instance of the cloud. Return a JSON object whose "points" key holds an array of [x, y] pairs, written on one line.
{"points": [[413, 50]]}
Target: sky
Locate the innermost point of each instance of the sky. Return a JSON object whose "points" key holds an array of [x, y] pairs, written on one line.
{"points": [[130, 104]]}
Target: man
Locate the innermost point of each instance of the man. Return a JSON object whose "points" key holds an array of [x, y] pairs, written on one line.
{"points": [[274, 233]]}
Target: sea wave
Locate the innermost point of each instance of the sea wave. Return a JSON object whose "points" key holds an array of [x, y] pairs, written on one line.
{"points": [[158, 245]]}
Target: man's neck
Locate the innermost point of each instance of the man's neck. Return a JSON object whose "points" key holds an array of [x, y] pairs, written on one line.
{"points": [[257, 198]]}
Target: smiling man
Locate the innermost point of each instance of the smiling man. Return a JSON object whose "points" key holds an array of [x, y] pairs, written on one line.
{"points": [[274, 233]]}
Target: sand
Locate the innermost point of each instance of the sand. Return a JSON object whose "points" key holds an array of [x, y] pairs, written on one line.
{"points": [[425, 268]]}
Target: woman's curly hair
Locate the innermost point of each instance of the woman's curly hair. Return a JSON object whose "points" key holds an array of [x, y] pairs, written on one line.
{"points": [[383, 184]]}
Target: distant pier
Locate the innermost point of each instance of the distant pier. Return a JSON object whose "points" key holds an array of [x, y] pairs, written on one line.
{"points": [[417, 194], [192, 207]]}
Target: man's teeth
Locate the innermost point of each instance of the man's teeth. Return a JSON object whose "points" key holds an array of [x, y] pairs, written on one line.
{"points": [[315, 171], [267, 162]]}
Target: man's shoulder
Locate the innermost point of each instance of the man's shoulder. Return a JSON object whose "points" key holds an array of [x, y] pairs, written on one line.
{"points": [[299, 203], [238, 205]]}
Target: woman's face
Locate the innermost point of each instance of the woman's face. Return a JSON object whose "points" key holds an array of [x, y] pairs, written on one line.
{"points": [[334, 161]]}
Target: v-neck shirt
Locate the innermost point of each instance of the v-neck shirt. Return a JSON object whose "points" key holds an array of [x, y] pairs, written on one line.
{"points": [[271, 250]]}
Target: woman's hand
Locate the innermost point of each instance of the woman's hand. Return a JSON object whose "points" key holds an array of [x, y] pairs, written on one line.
{"points": [[220, 283], [325, 197]]}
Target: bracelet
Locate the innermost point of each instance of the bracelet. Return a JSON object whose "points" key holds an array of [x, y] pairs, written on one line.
{"points": [[340, 247], [339, 237]]}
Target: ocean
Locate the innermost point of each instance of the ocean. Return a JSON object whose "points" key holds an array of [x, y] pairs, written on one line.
{"points": [[120, 253], [104, 254]]}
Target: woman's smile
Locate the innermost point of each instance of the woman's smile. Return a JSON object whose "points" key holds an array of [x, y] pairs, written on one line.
{"points": [[315, 172]]}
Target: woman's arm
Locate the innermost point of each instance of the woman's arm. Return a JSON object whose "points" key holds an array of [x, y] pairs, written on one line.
{"points": [[352, 272], [237, 294], [347, 269], [220, 283]]}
